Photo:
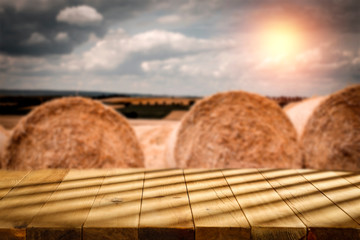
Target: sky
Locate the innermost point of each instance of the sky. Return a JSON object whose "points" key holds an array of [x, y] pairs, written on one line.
{"points": [[187, 47]]}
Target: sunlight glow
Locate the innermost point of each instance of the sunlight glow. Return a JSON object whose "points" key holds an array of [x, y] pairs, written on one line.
{"points": [[281, 40]]}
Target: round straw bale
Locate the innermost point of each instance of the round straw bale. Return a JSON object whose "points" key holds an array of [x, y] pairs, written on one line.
{"points": [[73, 132], [4, 136], [300, 112], [331, 138], [236, 130]]}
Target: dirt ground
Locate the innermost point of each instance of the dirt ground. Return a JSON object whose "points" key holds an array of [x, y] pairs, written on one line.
{"points": [[153, 136]]}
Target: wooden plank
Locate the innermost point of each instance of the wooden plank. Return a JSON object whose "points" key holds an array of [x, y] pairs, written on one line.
{"points": [[353, 178], [216, 213], [8, 179], [165, 211], [64, 214], [337, 189], [115, 213], [24, 201], [323, 218], [269, 216]]}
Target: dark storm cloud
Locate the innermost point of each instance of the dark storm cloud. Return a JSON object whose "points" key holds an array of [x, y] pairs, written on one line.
{"points": [[19, 20]]}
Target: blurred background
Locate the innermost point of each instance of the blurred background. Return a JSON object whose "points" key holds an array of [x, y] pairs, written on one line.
{"points": [[181, 48], [153, 60]]}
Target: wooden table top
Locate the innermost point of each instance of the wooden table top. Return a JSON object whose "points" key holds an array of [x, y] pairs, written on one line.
{"points": [[179, 204]]}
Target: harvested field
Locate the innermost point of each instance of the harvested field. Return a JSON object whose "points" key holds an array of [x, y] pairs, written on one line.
{"points": [[73, 133], [331, 138], [149, 101], [175, 115], [300, 112], [152, 140], [236, 130]]}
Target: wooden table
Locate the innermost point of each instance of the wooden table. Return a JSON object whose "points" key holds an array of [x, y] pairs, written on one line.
{"points": [[179, 204]]}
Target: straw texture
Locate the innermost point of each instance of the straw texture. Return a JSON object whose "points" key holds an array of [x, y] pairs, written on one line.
{"points": [[331, 138], [236, 130], [73, 132]]}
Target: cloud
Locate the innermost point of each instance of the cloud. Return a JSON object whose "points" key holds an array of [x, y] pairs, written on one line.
{"points": [[117, 47], [198, 17], [22, 6], [80, 15], [22, 18], [169, 19], [193, 47], [62, 37], [35, 39]]}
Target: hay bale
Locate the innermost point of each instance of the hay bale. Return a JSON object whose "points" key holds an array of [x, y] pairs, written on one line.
{"points": [[331, 138], [73, 132], [4, 137], [300, 112], [236, 130]]}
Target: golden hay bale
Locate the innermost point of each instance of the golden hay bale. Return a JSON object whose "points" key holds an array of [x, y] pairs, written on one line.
{"points": [[331, 138], [300, 112], [152, 140], [73, 132], [236, 130], [4, 137]]}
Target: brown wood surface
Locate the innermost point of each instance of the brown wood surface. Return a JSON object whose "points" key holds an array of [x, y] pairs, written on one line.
{"points": [[165, 210], [353, 178], [9, 179], [65, 212], [269, 216], [216, 213], [115, 213], [341, 192], [323, 218], [25, 200], [179, 204]]}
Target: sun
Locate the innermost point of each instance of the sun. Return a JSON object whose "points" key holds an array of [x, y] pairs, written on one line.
{"points": [[281, 39]]}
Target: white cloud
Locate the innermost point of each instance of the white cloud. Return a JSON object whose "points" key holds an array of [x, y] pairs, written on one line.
{"points": [[81, 15], [169, 19], [116, 47], [62, 37], [36, 38]]}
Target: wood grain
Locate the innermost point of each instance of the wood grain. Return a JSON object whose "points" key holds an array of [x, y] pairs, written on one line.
{"points": [[165, 211], [216, 213], [337, 189], [354, 178], [9, 179], [322, 217], [24, 201], [170, 204], [269, 216], [115, 213], [65, 212]]}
